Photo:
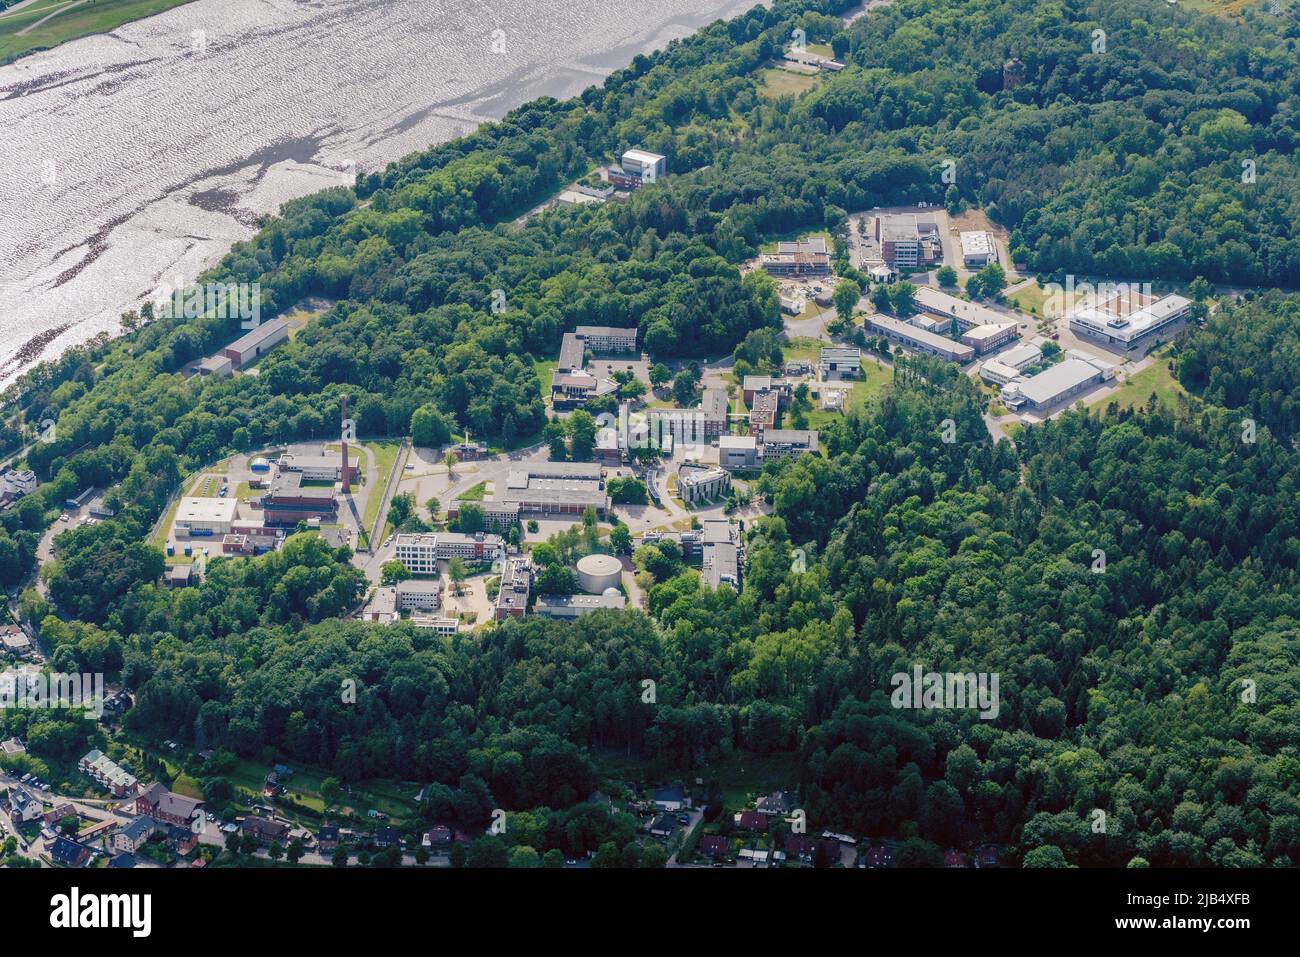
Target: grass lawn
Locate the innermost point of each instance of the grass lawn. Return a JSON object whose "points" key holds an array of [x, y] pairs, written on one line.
{"points": [[28, 29], [776, 83], [866, 391], [544, 369], [475, 494], [803, 347], [1156, 378], [303, 313], [385, 454]]}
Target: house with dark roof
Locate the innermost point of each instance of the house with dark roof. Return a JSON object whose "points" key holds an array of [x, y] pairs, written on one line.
{"points": [[663, 826], [135, 834], [715, 846], [671, 798], [954, 858], [387, 837], [802, 848], [438, 836], [751, 821], [879, 856], [328, 837], [778, 802], [166, 806], [69, 853], [122, 861], [263, 830], [23, 807], [988, 855]]}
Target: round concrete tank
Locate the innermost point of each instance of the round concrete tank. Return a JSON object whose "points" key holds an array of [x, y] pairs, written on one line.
{"points": [[599, 572]]}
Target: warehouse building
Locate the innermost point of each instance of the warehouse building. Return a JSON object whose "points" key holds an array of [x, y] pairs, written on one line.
{"points": [[326, 467], [781, 443], [738, 451], [252, 346], [205, 516], [721, 565], [977, 249], [546, 488], [840, 362], [575, 606], [1055, 385], [920, 340]]}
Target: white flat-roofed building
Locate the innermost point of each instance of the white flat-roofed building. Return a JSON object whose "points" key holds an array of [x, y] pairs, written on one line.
{"points": [[936, 324], [420, 552], [919, 339], [695, 485], [720, 565], [968, 314], [987, 338], [608, 338], [441, 626], [977, 249], [779, 443], [251, 346], [1053, 386], [1018, 357], [419, 595], [737, 451], [998, 372], [319, 468], [575, 606], [908, 240], [840, 362], [1105, 321], [206, 516], [807, 257], [643, 163]]}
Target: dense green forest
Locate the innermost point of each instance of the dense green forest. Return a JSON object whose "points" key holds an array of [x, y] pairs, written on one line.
{"points": [[1121, 691]]}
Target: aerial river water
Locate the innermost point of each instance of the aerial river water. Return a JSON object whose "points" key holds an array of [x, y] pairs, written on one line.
{"points": [[139, 156]]}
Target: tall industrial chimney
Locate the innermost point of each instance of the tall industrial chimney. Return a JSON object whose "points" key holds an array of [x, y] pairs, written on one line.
{"points": [[344, 472]]}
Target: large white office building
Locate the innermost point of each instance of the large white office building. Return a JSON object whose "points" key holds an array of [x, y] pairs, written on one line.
{"points": [[1106, 321]]}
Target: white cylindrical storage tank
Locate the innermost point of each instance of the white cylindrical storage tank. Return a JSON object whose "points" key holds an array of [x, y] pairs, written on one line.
{"points": [[598, 572]]}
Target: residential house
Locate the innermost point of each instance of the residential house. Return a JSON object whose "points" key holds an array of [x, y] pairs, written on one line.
{"points": [[22, 806], [663, 826], [779, 803], [69, 853], [715, 846], [671, 798], [751, 821], [327, 838], [54, 817], [167, 807], [134, 835], [266, 831]]}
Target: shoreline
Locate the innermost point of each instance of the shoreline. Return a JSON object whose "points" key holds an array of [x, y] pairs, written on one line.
{"points": [[93, 252]]}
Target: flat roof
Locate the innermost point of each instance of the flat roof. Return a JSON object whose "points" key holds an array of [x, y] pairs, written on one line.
{"points": [[206, 510], [420, 586], [721, 562], [989, 331], [841, 352], [806, 437], [1021, 355], [737, 442], [572, 352], [601, 331], [1055, 381], [976, 242], [1137, 323], [916, 334], [941, 302], [545, 602], [641, 156]]}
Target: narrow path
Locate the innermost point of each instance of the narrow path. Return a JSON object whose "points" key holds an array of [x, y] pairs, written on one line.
{"points": [[28, 29]]}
